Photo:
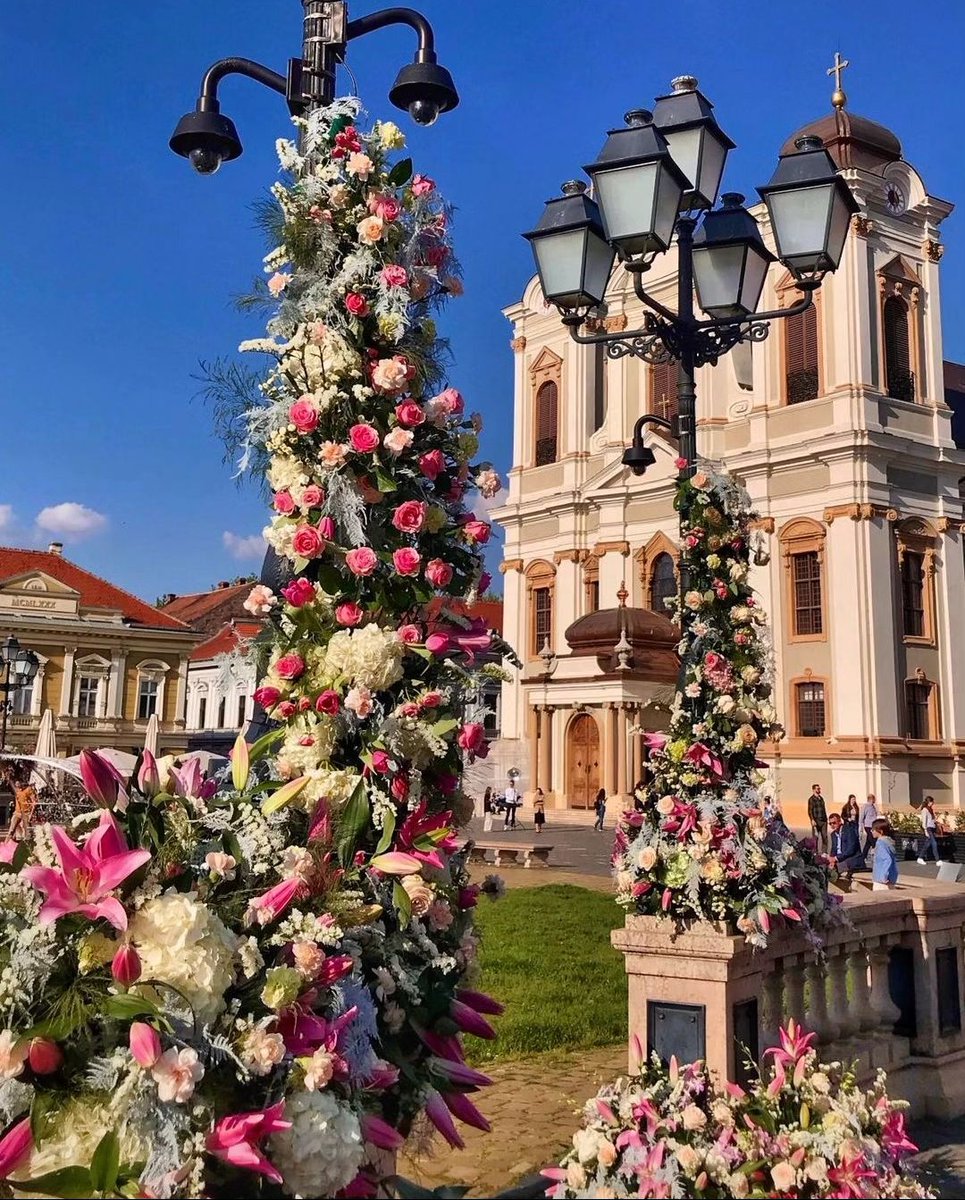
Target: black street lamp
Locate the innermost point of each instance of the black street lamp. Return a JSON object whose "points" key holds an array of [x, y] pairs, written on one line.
{"points": [[656, 181], [17, 668], [207, 138]]}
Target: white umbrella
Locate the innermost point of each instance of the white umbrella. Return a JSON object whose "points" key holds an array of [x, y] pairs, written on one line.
{"points": [[210, 762], [151, 734], [120, 759], [46, 747]]}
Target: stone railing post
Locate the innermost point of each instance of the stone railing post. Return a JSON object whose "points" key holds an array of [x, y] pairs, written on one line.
{"points": [[881, 1001], [842, 1011], [817, 1016], [865, 1016]]}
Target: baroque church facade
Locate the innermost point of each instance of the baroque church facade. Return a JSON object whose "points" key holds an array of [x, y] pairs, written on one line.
{"points": [[840, 425]]}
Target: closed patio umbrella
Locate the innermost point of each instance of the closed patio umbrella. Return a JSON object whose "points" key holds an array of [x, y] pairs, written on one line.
{"points": [[151, 734], [46, 748]]}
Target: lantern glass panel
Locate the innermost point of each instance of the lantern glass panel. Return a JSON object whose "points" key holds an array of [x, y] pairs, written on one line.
{"points": [[755, 272], [684, 147], [626, 197], [559, 260], [838, 229], [717, 272], [599, 264], [668, 206], [711, 168], [800, 220]]}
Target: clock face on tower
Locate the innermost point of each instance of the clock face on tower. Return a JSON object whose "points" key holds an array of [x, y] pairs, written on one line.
{"points": [[895, 199]]}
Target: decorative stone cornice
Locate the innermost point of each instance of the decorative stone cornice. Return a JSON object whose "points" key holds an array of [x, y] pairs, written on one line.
{"points": [[943, 524], [934, 250], [602, 548], [518, 345], [764, 524], [614, 324], [862, 225], [860, 512], [510, 564], [576, 556]]}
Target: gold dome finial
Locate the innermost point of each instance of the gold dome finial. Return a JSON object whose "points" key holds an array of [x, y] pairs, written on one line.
{"points": [[838, 97]]}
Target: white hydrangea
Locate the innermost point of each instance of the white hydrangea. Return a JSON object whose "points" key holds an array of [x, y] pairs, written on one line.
{"points": [[368, 656], [323, 1149], [285, 473], [336, 786], [183, 943], [302, 759]]}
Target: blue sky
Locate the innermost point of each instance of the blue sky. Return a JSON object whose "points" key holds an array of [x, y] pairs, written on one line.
{"points": [[119, 263]]}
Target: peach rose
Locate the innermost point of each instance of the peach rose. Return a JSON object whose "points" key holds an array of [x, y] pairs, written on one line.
{"points": [[332, 454], [370, 230], [419, 893], [360, 165], [398, 440], [647, 858], [390, 374]]}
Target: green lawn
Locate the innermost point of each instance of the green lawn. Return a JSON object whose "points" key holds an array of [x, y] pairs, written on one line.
{"points": [[546, 955]]}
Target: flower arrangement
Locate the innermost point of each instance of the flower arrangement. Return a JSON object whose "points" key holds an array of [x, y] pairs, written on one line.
{"points": [[699, 847], [807, 1131], [257, 985]]}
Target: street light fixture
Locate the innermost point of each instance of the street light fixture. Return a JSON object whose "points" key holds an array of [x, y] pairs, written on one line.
{"points": [[697, 144], [572, 253], [17, 667], [730, 260], [207, 138]]}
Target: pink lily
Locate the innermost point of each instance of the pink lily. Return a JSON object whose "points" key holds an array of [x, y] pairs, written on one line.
{"points": [[148, 776], [380, 1133], [418, 832], [264, 909], [145, 1044], [187, 778], [894, 1136], [304, 1032], [475, 640], [396, 863], [849, 1176], [469, 1021], [335, 967], [235, 1139], [8, 848], [793, 1051], [87, 876], [655, 741], [100, 779], [438, 1114], [703, 756], [462, 1107], [14, 1147]]}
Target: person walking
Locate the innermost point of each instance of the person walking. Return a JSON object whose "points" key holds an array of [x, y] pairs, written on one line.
{"points": [[885, 868], [511, 801], [869, 814], [539, 811], [818, 816], [488, 810], [928, 843], [851, 813], [599, 807], [844, 850]]}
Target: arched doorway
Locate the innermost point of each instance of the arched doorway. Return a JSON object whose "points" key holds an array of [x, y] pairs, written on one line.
{"points": [[582, 761]]}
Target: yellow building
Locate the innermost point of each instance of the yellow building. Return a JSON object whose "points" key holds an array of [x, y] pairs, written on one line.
{"points": [[108, 661]]}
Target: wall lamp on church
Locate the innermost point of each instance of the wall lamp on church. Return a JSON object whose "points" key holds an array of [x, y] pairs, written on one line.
{"points": [[655, 184]]}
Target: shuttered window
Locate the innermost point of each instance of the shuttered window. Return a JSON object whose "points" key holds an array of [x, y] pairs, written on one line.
{"points": [[917, 697], [663, 393], [898, 373], [913, 594], [810, 709], [663, 584], [542, 618], [547, 423], [801, 379], [807, 593]]}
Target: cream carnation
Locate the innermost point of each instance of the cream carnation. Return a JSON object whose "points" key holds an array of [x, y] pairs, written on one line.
{"points": [[323, 1149], [184, 944], [261, 1051]]}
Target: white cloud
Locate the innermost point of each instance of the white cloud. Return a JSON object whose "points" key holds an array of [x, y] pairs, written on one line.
{"points": [[71, 518], [6, 517], [243, 547]]}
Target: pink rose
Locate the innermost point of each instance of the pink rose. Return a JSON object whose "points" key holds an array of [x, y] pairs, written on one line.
{"points": [[312, 496], [364, 438], [410, 516], [399, 787], [409, 413], [307, 542], [451, 401], [326, 527], [283, 503], [299, 592], [328, 702], [406, 561], [290, 666], [432, 464], [438, 643], [261, 600], [472, 737], [395, 276], [370, 494], [380, 762], [362, 561], [267, 697], [356, 304], [285, 710], [410, 635], [431, 700], [386, 207], [477, 532], [349, 613], [422, 185], [303, 414], [397, 440], [438, 573], [391, 374]]}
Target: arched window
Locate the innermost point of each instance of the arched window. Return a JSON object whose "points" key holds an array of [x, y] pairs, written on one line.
{"points": [[591, 584], [150, 688], [802, 380], [540, 585], [547, 423], [663, 583], [899, 376], [802, 545], [809, 708], [663, 392]]}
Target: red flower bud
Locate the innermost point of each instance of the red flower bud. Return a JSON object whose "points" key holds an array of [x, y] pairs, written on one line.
{"points": [[44, 1056], [126, 966]]}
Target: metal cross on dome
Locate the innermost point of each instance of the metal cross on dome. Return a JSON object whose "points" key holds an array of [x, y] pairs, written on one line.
{"points": [[839, 99]]}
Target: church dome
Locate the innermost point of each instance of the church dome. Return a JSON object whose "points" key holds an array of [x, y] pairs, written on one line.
{"points": [[653, 641], [851, 140]]}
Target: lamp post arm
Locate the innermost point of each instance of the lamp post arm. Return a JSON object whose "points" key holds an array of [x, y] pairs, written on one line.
{"points": [[208, 100], [649, 419], [635, 270], [776, 314], [397, 16]]}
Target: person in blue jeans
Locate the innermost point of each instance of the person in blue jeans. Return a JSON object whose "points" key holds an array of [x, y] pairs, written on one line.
{"points": [[885, 868], [929, 843]]}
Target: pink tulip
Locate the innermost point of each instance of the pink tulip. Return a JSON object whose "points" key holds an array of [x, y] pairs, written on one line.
{"points": [[480, 1002], [15, 1147], [101, 782], [469, 1021], [462, 1107], [148, 777], [235, 1139], [438, 1114], [380, 1133], [44, 1056], [438, 643], [145, 1044], [126, 965], [87, 876]]}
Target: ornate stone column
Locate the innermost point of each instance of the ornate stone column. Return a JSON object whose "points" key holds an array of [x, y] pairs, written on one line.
{"points": [[622, 750], [610, 749], [534, 746], [637, 746], [881, 1001], [818, 1018], [544, 770]]}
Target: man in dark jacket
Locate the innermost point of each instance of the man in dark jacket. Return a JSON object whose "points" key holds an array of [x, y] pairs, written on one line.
{"points": [[818, 816], [845, 849]]}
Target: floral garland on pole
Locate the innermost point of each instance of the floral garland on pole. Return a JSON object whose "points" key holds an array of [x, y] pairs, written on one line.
{"points": [[700, 849], [256, 987]]}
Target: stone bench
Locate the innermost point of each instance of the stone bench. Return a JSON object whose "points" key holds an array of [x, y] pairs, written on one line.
{"points": [[510, 851]]}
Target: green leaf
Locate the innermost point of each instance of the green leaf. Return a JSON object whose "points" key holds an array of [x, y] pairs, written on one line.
{"points": [[69, 1182], [400, 898], [354, 818], [388, 829], [332, 580], [441, 728], [105, 1163], [401, 173], [43, 1114], [384, 482], [260, 748], [125, 1007]]}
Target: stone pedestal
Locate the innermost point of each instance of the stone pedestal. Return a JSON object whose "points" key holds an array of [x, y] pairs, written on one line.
{"points": [[702, 983]]}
